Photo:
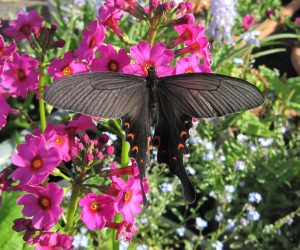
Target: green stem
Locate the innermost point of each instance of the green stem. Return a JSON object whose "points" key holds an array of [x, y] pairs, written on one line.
{"points": [[75, 196], [152, 35], [125, 153]]}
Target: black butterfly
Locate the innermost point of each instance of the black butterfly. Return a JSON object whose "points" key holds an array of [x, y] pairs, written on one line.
{"points": [[167, 104]]}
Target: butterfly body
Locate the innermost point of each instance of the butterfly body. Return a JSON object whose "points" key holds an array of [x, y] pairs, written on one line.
{"points": [[166, 104]]}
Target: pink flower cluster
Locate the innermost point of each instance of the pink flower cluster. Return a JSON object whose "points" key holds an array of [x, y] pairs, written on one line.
{"points": [[121, 197]]}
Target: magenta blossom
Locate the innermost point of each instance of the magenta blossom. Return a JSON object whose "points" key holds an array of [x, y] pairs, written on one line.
{"points": [[5, 52], [20, 75], [188, 32], [23, 26], [124, 229], [191, 64], [57, 137], [5, 182], [93, 36], [249, 21], [35, 161], [297, 21], [96, 210], [81, 123], [130, 197], [158, 57], [43, 203], [111, 60], [109, 17], [68, 65], [128, 170], [22, 224], [4, 110], [52, 241]]}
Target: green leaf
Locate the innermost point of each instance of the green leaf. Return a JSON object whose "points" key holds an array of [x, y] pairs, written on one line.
{"points": [[10, 211]]}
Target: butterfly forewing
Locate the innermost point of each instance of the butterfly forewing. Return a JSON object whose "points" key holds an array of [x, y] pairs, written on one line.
{"points": [[105, 94], [210, 95]]}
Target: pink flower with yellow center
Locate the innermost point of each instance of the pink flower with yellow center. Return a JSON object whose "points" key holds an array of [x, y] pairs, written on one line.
{"points": [[23, 26], [20, 75], [52, 241], [97, 210], [145, 57], [43, 204], [35, 161], [130, 196], [111, 60], [68, 65], [57, 137], [93, 37], [191, 64]]}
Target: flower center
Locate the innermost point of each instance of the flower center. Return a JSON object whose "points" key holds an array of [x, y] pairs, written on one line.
{"points": [[26, 29], [95, 206], [146, 66], [92, 42], [67, 71], [44, 202], [113, 66], [59, 141], [127, 196], [187, 35], [36, 163], [189, 70], [21, 74]]}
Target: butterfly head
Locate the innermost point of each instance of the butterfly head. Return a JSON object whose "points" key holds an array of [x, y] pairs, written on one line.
{"points": [[151, 72]]}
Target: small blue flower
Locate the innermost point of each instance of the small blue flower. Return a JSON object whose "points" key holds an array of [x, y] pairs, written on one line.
{"points": [[238, 61], [253, 215], [230, 225], [229, 188], [166, 187], [200, 223], [190, 170], [266, 142], [144, 220], [123, 245], [240, 165], [218, 245], [208, 156], [142, 247], [254, 197], [181, 231]]}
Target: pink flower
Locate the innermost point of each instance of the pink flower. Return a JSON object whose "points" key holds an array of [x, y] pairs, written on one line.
{"points": [[43, 203], [124, 229], [96, 210], [67, 66], [191, 64], [82, 122], [128, 170], [111, 60], [57, 137], [35, 161], [109, 17], [297, 21], [22, 224], [249, 21], [4, 110], [93, 38], [52, 240], [188, 32], [23, 26], [130, 197], [199, 45], [158, 57], [20, 75], [5, 52]]}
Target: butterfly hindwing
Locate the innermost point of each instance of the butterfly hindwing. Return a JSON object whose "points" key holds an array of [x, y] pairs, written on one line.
{"points": [[169, 137]]}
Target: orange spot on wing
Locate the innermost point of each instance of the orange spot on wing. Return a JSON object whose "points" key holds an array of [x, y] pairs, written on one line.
{"points": [[180, 146], [130, 136], [135, 149], [126, 125], [174, 158]]}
